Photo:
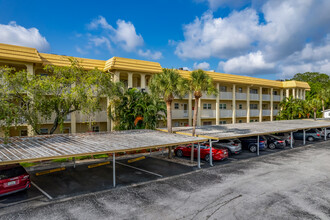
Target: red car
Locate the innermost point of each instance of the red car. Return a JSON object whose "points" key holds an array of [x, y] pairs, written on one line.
{"points": [[13, 178], [217, 154]]}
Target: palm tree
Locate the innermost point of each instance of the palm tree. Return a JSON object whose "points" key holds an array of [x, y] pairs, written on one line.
{"points": [[323, 94], [167, 85], [315, 104], [290, 108], [200, 82]]}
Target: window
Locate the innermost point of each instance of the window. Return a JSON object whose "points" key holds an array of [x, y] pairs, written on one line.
{"points": [[44, 131], [176, 105], [240, 106], [275, 106], [253, 106], [207, 123], [274, 92], [96, 129], [207, 106], [240, 121], [24, 132], [254, 91], [176, 124], [223, 106], [223, 88], [240, 90], [223, 122]]}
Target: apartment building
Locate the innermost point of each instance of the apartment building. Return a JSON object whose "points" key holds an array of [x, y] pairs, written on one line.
{"points": [[240, 99]]}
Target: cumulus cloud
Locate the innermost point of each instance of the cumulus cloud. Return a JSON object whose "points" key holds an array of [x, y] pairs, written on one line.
{"points": [[19, 35], [150, 55], [277, 36], [215, 4], [203, 66]]}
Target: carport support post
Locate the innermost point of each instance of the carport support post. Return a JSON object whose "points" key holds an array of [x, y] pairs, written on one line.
{"points": [[199, 156], [325, 134], [114, 169], [258, 143], [211, 159], [304, 137], [291, 135], [74, 162]]}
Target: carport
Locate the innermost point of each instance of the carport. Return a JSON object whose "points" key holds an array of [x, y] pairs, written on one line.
{"points": [[39, 148], [230, 131]]}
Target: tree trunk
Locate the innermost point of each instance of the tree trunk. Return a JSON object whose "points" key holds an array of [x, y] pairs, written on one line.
{"points": [[315, 114], [55, 124], [169, 124], [323, 106], [194, 128]]}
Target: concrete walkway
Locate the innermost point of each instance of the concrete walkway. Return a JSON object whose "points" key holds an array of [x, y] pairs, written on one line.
{"points": [[290, 184]]}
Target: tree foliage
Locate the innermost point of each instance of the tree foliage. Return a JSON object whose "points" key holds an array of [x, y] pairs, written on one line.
{"points": [[133, 104]]}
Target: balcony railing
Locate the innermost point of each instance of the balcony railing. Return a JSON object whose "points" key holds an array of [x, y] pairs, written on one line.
{"points": [[178, 114], [208, 114], [97, 117], [241, 96], [275, 112], [277, 98], [226, 95], [254, 97], [254, 112], [266, 112], [265, 97], [240, 113], [226, 113]]}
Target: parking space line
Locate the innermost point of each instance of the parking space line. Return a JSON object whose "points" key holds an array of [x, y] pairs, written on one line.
{"points": [[42, 191], [146, 171], [50, 171]]}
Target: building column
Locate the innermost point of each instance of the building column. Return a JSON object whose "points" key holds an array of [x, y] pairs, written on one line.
{"points": [[234, 104], [110, 123], [73, 122], [301, 94], [130, 80], [190, 115], [304, 94], [281, 94], [248, 105], [199, 120], [30, 71], [294, 93], [260, 104], [271, 104], [116, 77], [143, 81], [217, 106], [287, 93]]}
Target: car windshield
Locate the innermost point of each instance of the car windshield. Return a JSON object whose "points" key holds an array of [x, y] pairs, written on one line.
{"points": [[10, 173]]}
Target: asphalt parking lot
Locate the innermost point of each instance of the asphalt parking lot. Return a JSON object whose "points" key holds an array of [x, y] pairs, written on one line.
{"points": [[83, 180]]}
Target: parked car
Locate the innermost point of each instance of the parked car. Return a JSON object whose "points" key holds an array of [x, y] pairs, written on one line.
{"points": [[274, 142], [13, 178], [233, 146], [328, 132], [310, 135], [286, 137], [217, 154], [250, 143]]}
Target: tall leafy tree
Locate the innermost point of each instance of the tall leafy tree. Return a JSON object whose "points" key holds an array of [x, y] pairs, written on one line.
{"points": [[290, 109], [200, 83], [315, 105], [167, 85]]}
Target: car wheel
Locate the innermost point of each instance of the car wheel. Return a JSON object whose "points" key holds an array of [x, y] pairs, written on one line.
{"points": [[207, 158], [310, 138], [272, 146], [328, 135], [253, 148], [179, 153]]}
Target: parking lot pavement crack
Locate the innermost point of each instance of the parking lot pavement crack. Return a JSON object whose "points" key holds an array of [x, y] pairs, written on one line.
{"points": [[222, 204]]}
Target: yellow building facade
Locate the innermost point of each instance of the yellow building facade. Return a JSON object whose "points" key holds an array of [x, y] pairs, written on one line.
{"points": [[241, 99]]}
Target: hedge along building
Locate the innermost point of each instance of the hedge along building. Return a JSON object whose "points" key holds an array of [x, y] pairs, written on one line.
{"points": [[240, 98]]}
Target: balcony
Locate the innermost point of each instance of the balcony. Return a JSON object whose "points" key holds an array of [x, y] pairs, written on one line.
{"points": [[226, 95], [265, 97], [254, 113], [254, 97], [275, 112], [226, 113], [208, 114], [178, 114], [240, 113], [265, 112], [241, 96], [97, 117], [277, 98]]}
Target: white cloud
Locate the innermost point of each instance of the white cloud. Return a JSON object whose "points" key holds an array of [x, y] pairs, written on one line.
{"points": [[18, 35], [252, 63], [215, 4], [150, 55], [274, 35], [203, 66]]}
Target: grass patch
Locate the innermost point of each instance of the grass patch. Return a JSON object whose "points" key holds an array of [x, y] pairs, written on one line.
{"points": [[101, 156], [28, 164]]}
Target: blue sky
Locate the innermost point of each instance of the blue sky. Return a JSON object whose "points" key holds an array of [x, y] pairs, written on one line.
{"points": [[262, 38]]}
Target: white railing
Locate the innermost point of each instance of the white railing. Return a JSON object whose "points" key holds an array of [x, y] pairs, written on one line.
{"points": [[97, 117], [208, 113], [177, 114], [275, 111], [265, 112], [226, 113], [205, 96], [241, 96], [277, 98], [226, 95], [265, 97], [254, 112], [254, 96], [240, 113]]}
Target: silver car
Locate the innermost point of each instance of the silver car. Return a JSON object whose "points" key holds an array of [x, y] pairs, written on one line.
{"points": [[234, 146], [286, 137]]}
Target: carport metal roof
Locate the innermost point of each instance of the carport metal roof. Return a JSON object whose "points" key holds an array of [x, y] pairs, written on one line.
{"points": [[229, 131], [46, 147]]}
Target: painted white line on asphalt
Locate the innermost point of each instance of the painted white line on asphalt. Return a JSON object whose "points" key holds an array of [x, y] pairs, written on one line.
{"points": [[146, 171], [43, 192]]}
